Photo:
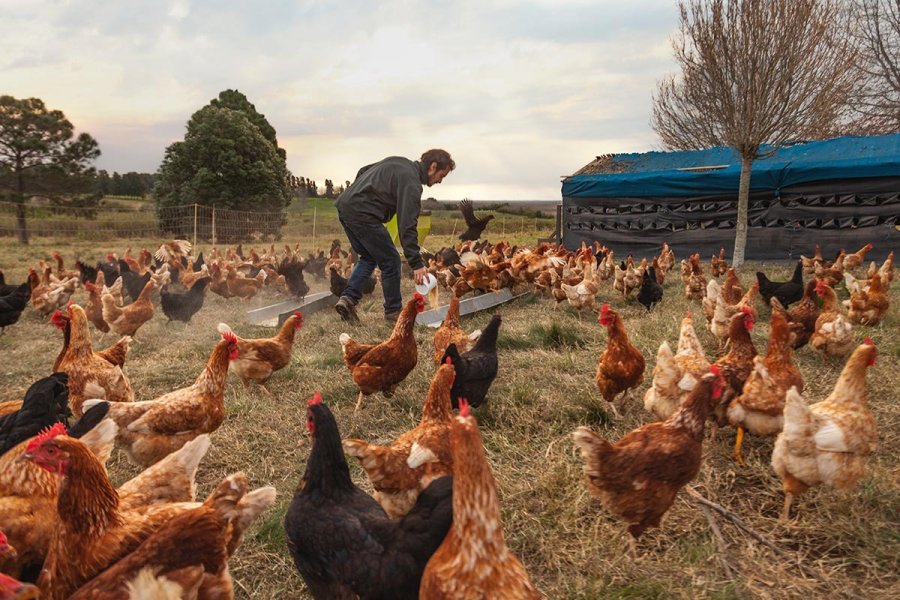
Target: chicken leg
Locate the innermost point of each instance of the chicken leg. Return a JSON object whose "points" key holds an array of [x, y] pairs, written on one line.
{"points": [[359, 400], [786, 511], [738, 441], [615, 411]]}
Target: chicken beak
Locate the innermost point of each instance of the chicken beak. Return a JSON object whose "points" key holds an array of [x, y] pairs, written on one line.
{"points": [[26, 592]]}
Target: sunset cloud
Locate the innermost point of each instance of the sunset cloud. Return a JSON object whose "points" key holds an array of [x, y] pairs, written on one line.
{"points": [[519, 92]]}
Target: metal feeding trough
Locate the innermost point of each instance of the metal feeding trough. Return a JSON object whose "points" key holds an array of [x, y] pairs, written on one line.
{"points": [[434, 318], [276, 314]]}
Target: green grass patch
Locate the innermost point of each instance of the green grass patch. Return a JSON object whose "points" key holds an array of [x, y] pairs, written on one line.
{"points": [[270, 533], [555, 336]]}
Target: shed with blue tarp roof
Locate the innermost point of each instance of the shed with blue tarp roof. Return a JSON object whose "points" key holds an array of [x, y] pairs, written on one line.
{"points": [[838, 193]]}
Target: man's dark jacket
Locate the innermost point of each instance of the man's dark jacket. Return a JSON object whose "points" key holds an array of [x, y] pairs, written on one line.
{"points": [[383, 189]]}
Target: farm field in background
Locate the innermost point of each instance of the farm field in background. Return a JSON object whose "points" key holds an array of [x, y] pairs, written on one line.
{"points": [[571, 547], [132, 217]]}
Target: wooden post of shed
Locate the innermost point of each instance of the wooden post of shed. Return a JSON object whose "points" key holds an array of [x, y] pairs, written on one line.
{"points": [[558, 227]]}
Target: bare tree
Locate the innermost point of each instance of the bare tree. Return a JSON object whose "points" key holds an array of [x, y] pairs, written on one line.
{"points": [[877, 27], [755, 73]]}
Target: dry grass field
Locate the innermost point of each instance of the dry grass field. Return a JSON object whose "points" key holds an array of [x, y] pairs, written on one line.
{"points": [[848, 544]]}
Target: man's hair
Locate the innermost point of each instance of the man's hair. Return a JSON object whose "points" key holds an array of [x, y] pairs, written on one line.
{"points": [[441, 157]]}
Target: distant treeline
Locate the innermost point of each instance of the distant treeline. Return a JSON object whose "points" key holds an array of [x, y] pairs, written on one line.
{"points": [[127, 184], [522, 208], [305, 187], [141, 184]]}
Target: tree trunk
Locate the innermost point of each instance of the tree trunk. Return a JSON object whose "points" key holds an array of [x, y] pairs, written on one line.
{"points": [[740, 237], [20, 205], [20, 222]]}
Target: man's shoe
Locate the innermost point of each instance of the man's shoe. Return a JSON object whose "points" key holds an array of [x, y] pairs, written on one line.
{"points": [[347, 309], [392, 317]]}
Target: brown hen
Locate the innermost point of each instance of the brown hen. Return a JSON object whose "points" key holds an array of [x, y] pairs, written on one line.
{"points": [[401, 471], [382, 367], [474, 561], [638, 477]]}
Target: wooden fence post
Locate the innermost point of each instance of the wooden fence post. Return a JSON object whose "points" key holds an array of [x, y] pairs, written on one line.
{"points": [[195, 226], [558, 225]]}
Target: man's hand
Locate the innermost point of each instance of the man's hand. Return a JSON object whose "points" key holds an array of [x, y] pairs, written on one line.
{"points": [[420, 275]]}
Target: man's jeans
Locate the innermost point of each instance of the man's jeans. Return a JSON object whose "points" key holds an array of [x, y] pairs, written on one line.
{"points": [[374, 246]]}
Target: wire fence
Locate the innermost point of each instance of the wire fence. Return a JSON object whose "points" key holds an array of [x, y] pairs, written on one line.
{"points": [[199, 223]]}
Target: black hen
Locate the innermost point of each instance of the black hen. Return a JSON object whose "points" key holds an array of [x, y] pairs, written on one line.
{"points": [[336, 283], [88, 273], [476, 225], [131, 281], [182, 306], [787, 292], [315, 265], [293, 277], [90, 419], [651, 292], [46, 403], [12, 305], [447, 257], [198, 264], [110, 269], [6, 288], [343, 543], [477, 368]]}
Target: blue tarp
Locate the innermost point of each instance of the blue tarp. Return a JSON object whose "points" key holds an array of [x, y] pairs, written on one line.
{"points": [[657, 174]]}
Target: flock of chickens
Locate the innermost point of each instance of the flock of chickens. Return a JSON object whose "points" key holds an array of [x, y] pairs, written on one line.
{"points": [[432, 529], [638, 477]]}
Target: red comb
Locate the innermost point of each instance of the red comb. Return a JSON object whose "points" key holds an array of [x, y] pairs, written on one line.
{"points": [[463, 407], [868, 342], [687, 315], [715, 370], [3, 540], [47, 434], [230, 337], [448, 361], [316, 399], [90, 286], [604, 309], [418, 296], [746, 310]]}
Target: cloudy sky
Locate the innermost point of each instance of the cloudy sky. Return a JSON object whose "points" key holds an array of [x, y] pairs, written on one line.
{"points": [[519, 92]]}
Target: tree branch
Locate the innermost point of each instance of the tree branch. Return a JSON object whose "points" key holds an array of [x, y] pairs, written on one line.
{"points": [[746, 529]]}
